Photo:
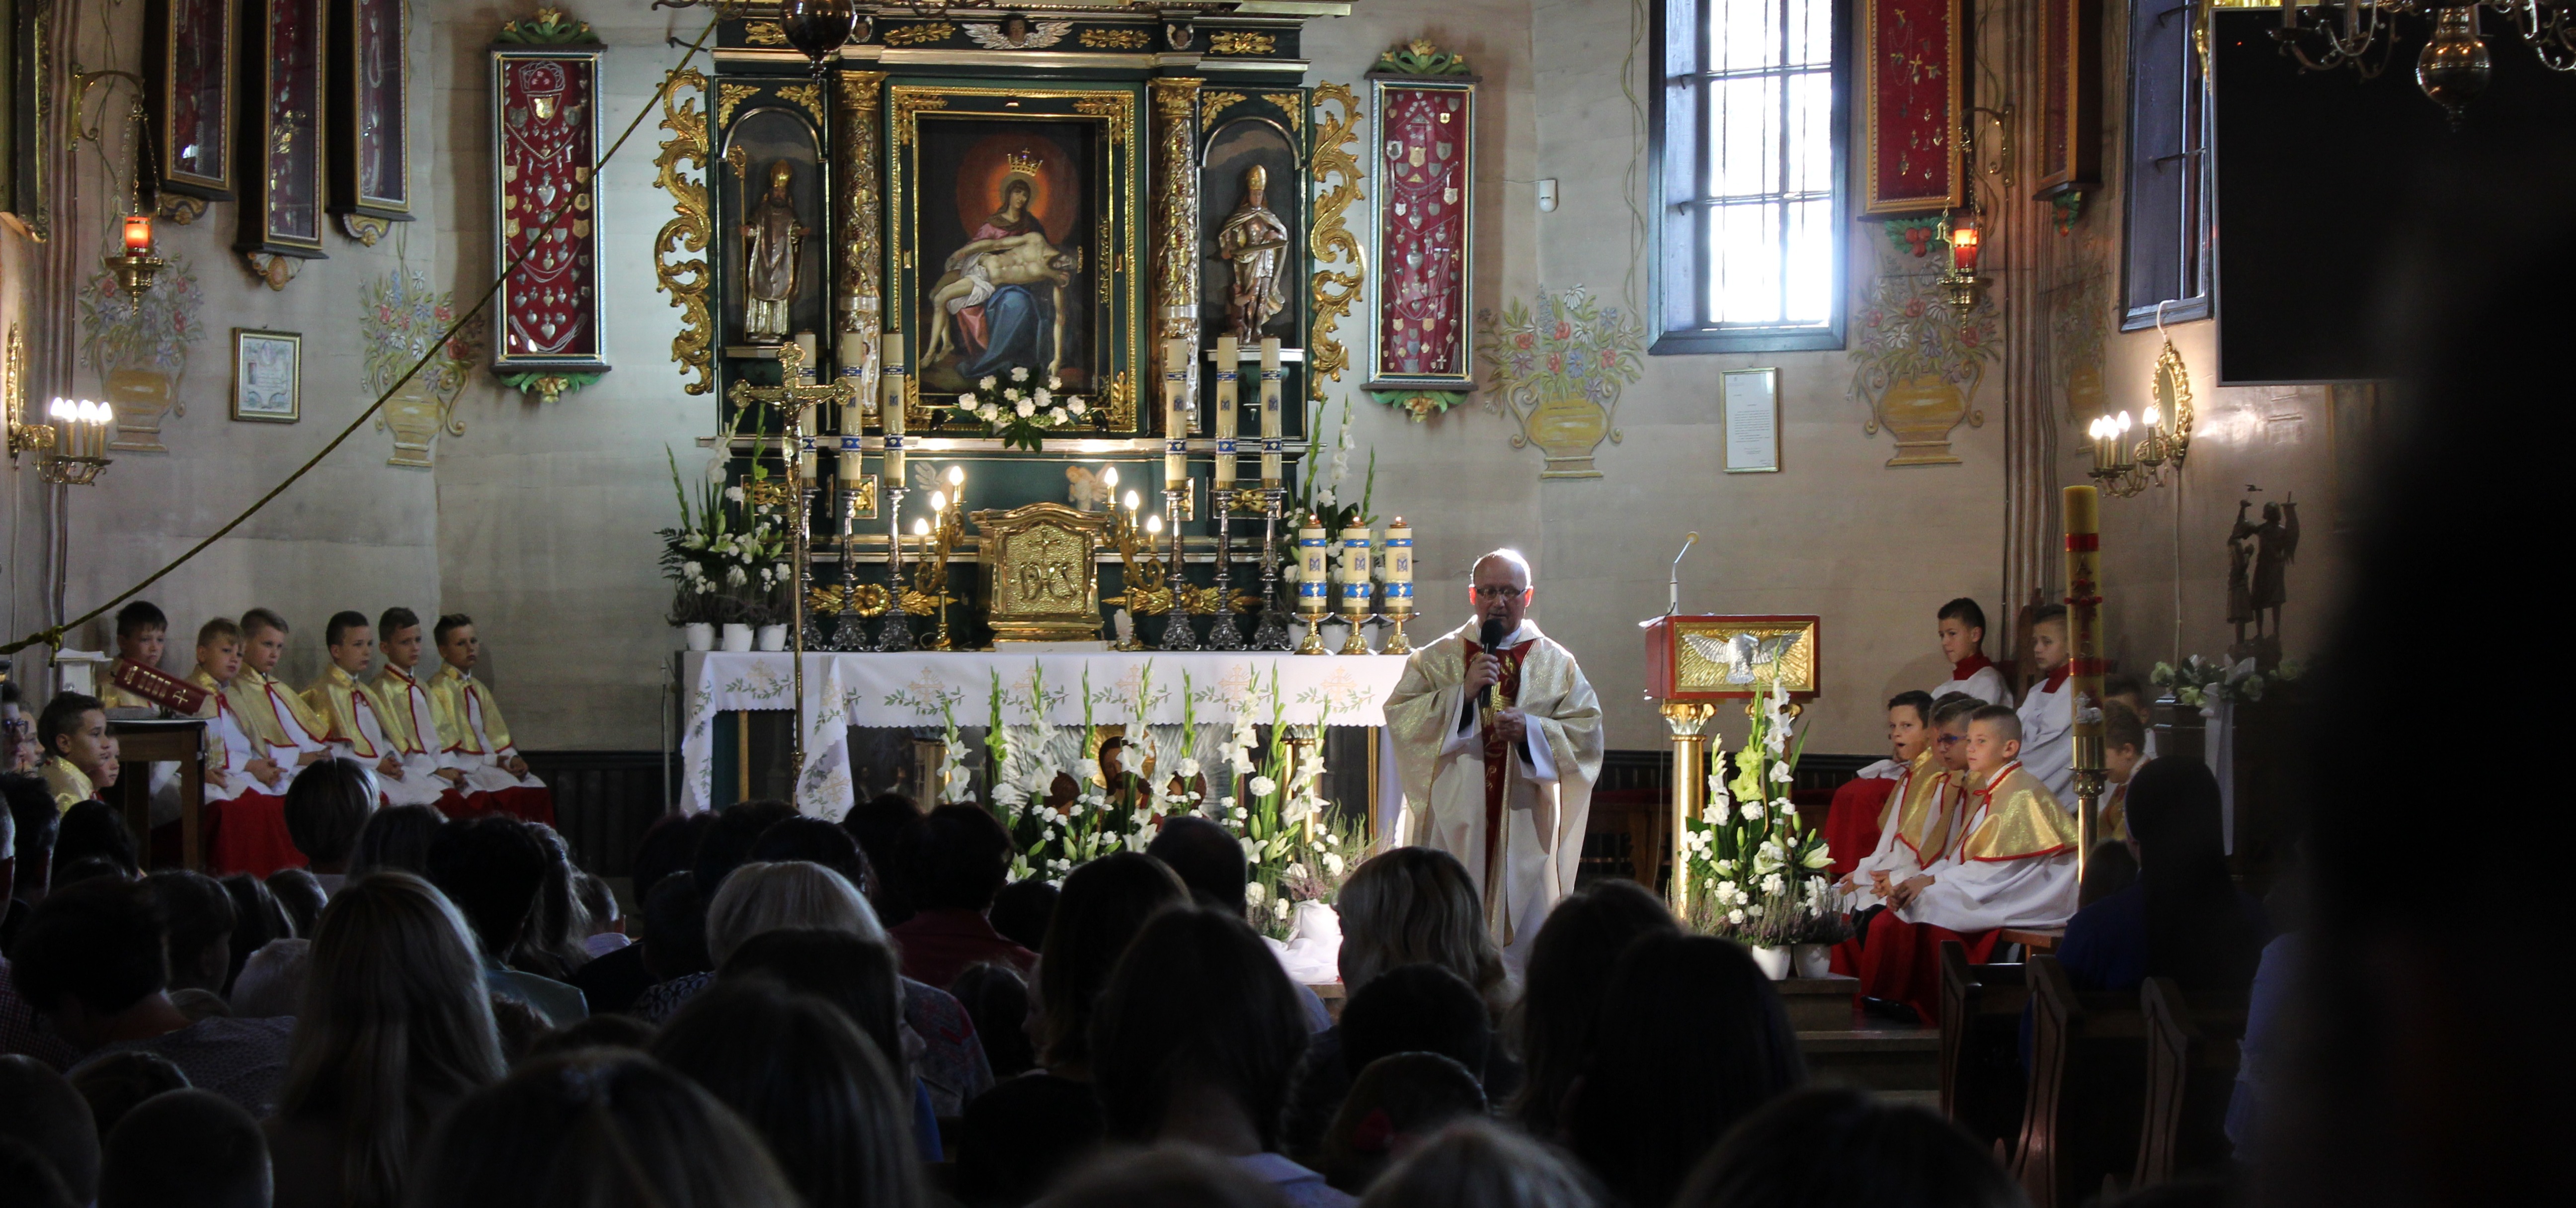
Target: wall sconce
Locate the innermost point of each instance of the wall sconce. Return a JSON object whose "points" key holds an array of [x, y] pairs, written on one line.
{"points": [[2124, 469], [81, 430], [25, 436], [134, 266], [1962, 233]]}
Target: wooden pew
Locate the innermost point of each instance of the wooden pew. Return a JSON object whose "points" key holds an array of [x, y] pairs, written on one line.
{"points": [[2192, 1047], [2087, 1088], [1981, 1076]]}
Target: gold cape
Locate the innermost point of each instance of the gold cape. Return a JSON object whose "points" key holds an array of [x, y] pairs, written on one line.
{"points": [[448, 691], [69, 785], [335, 696], [256, 708], [1923, 806], [2014, 818], [391, 692]]}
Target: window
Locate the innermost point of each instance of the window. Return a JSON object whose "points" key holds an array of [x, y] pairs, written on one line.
{"points": [[2166, 184], [1748, 139]]}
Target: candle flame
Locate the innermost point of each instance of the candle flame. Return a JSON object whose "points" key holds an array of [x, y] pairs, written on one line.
{"points": [[956, 476], [1109, 479]]}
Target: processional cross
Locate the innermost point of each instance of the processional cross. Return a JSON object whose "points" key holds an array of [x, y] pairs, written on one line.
{"points": [[800, 412]]}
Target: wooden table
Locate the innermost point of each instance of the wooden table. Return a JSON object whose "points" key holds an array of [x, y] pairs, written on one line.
{"points": [[140, 744]]}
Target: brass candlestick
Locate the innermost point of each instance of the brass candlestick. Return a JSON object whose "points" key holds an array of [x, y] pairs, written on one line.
{"points": [[1355, 592], [1223, 634], [1177, 634], [896, 634], [1271, 631]]}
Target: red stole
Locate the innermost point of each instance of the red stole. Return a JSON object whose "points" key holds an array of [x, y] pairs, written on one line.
{"points": [[1969, 666], [1498, 753]]}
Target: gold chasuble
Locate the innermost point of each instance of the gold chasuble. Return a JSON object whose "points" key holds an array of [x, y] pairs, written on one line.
{"points": [[2014, 817], [337, 698], [464, 705], [1923, 807], [1519, 830]]}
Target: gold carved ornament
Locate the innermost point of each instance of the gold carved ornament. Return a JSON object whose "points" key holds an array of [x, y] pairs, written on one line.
{"points": [[807, 96], [1331, 241], [686, 280], [862, 245], [1213, 103], [1736, 657], [1293, 107], [730, 97], [763, 33], [1242, 42], [1041, 573], [909, 35], [1115, 39], [1176, 207]]}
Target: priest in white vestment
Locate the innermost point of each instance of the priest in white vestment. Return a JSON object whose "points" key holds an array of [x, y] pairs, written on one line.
{"points": [[1499, 750]]}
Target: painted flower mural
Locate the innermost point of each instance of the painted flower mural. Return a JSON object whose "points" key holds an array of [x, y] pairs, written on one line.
{"points": [[1917, 362], [1558, 367], [399, 318], [139, 348]]}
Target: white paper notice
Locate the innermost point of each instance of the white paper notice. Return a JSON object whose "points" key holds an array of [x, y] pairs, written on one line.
{"points": [[1752, 402]]}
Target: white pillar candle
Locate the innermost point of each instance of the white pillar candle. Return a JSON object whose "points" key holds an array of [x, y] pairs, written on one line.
{"points": [[1228, 376], [1176, 414]]}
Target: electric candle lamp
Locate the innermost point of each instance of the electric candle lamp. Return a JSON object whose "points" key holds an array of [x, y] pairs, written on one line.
{"points": [[138, 234], [938, 502], [1963, 245], [1154, 525], [1109, 482], [956, 476], [1132, 501]]}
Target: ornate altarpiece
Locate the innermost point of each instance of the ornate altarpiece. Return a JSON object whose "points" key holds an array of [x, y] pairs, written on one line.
{"points": [[1042, 189]]}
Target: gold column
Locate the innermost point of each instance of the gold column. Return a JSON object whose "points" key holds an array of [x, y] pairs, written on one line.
{"points": [[2082, 508], [862, 229], [1688, 723], [1176, 211]]}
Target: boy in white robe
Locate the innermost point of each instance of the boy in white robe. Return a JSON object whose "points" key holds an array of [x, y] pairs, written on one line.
{"points": [[2048, 713], [356, 729], [271, 712], [244, 829], [409, 713], [1917, 828], [476, 739], [1962, 630]]}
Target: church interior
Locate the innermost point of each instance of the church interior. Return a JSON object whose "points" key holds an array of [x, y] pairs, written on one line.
{"points": [[1806, 460]]}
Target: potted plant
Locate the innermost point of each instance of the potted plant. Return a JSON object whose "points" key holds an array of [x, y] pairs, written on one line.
{"points": [[691, 564]]}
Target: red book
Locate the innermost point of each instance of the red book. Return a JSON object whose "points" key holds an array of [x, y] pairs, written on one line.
{"points": [[158, 686]]}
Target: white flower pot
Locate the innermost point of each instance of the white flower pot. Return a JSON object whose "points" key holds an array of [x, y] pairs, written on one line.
{"points": [[773, 637], [701, 635], [1774, 962], [1812, 960], [737, 637]]}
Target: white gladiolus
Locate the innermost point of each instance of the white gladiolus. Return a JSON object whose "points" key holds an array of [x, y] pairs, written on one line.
{"points": [[1186, 769], [1279, 909], [1026, 408], [1019, 373], [1263, 786], [1735, 916], [1333, 864]]}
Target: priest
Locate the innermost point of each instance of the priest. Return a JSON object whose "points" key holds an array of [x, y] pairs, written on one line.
{"points": [[1498, 738]]}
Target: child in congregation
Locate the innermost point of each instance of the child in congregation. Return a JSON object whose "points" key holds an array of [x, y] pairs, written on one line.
{"points": [[475, 738], [1963, 641], [2124, 745], [273, 714], [2010, 862], [245, 824], [80, 755], [355, 725], [2048, 713], [1860, 812], [410, 713], [2122, 688]]}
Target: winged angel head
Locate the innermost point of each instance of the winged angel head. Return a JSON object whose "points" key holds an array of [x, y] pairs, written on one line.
{"points": [[1740, 654], [1016, 32]]}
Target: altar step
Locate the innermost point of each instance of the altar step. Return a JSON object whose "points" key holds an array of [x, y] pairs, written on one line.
{"points": [[1844, 1047]]}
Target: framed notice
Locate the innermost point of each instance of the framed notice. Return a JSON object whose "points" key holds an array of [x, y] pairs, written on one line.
{"points": [[268, 373], [1749, 408], [1913, 62]]}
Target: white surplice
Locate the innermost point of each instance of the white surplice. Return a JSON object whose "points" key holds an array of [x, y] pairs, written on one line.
{"points": [[2048, 734]]}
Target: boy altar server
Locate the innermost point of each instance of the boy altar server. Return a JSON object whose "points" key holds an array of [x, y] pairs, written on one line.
{"points": [[472, 734], [245, 822], [2048, 713], [410, 714], [2010, 863], [269, 710], [356, 728], [1861, 811], [1963, 642], [1915, 823]]}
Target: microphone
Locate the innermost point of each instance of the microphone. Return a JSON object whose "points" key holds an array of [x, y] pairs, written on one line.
{"points": [[1491, 636], [1673, 585]]}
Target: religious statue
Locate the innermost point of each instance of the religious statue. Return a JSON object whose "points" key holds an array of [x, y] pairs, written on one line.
{"points": [[2258, 567], [1254, 241], [771, 238]]}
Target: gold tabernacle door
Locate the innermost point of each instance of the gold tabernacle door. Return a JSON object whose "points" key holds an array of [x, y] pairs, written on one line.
{"points": [[1039, 575]]}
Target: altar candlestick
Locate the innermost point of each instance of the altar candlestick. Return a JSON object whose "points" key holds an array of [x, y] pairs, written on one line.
{"points": [[1273, 444], [1176, 414], [2082, 508], [1228, 373]]}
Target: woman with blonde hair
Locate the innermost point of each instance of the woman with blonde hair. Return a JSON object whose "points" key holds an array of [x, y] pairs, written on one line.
{"points": [[395, 1026], [1416, 905], [1473, 1164]]}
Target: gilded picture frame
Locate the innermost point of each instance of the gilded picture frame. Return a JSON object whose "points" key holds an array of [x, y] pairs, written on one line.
{"points": [[545, 142], [1912, 105], [268, 376], [188, 91], [29, 122], [370, 115], [278, 143], [1424, 206], [1081, 148], [1712, 658]]}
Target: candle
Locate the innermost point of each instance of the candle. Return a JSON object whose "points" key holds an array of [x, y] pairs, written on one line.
{"points": [[1314, 593], [1229, 364], [806, 368], [1176, 420], [2082, 509], [138, 234], [850, 355], [1399, 566], [1273, 446], [1355, 568], [890, 414]]}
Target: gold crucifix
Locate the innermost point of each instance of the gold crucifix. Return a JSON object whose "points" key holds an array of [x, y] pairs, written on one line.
{"points": [[800, 413]]}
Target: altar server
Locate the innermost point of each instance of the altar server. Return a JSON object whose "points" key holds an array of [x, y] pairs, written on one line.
{"points": [[474, 738], [1916, 829], [356, 727], [1498, 738], [245, 811], [1861, 807], [142, 634], [410, 714], [283, 724], [1962, 630], [2048, 713]]}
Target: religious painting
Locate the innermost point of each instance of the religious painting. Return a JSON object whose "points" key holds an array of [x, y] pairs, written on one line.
{"points": [[545, 145], [370, 106], [1253, 228], [774, 187], [268, 375], [1425, 214], [2070, 101], [281, 135], [188, 93], [1018, 240], [1913, 68]]}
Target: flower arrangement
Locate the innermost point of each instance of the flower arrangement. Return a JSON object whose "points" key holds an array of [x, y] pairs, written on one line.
{"points": [[1756, 870], [728, 558], [2203, 683], [1296, 852], [1019, 413]]}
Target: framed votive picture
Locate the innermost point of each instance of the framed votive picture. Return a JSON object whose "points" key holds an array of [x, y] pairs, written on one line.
{"points": [[268, 375]]}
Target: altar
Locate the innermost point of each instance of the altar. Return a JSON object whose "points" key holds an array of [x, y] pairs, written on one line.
{"points": [[1207, 692]]}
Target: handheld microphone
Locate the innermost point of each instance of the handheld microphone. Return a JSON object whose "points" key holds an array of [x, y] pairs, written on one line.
{"points": [[1491, 636]]}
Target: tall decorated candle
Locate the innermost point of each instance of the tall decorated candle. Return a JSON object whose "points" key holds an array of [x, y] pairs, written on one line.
{"points": [[1228, 377], [890, 412], [1355, 568], [1399, 566], [1274, 443], [1176, 414], [1314, 585], [807, 364]]}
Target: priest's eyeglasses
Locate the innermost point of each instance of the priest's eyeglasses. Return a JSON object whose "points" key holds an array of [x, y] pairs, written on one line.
{"points": [[1497, 591]]}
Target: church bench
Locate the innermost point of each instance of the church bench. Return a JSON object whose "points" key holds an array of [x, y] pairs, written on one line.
{"points": [[2192, 1050], [2080, 1115], [1981, 1076]]}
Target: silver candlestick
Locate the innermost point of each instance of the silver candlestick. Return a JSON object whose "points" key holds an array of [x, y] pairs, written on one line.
{"points": [[896, 635], [1223, 633], [1177, 634], [1272, 632]]}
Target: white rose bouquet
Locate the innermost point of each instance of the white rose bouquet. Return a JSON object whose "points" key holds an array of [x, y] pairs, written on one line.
{"points": [[1021, 413]]}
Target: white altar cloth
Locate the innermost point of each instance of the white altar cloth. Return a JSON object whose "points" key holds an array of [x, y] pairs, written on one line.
{"points": [[931, 688]]}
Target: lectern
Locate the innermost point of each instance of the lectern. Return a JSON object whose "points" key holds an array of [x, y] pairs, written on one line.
{"points": [[1693, 662]]}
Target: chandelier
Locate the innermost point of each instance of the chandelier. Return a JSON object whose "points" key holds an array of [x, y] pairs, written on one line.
{"points": [[2453, 68]]}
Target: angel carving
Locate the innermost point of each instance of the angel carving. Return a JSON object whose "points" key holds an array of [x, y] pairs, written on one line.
{"points": [[1743, 652], [1016, 32]]}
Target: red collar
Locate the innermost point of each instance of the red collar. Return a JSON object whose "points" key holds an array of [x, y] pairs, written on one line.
{"points": [[1970, 665], [2057, 679], [1987, 793]]}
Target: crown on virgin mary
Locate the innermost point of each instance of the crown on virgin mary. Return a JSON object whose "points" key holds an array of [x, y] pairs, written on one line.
{"points": [[1021, 163]]}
